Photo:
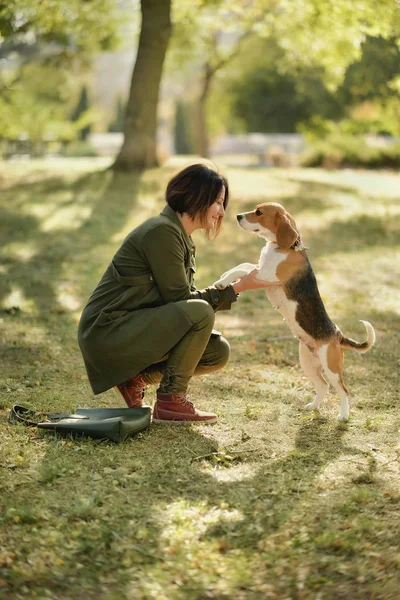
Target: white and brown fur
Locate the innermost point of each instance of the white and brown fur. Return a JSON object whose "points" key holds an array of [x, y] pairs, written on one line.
{"points": [[284, 259]]}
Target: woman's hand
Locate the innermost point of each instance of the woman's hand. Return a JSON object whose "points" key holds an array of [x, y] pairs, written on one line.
{"points": [[250, 282]]}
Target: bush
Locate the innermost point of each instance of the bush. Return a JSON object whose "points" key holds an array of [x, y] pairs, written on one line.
{"points": [[350, 151], [78, 150], [183, 129], [117, 124], [388, 157]]}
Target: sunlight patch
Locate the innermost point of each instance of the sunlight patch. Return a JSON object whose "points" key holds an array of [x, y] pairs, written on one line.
{"points": [[233, 323], [23, 335], [16, 299], [375, 293], [335, 475], [367, 468], [385, 297], [186, 523], [234, 473], [22, 252], [67, 299], [253, 185], [373, 184], [44, 210], [68, 217]]}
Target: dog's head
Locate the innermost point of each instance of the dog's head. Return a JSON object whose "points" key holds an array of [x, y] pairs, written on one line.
{"points": [[271, 222]]}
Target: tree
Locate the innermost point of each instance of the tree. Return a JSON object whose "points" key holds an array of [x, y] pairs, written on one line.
{"points": [[370, 92], [117, 124], [35, 108], [371, 76], [43, 47], [265, 98], [313, 33], [80, 109], [210, 34], [182, 130], [210, 68], [139, 147], [69, 27]]}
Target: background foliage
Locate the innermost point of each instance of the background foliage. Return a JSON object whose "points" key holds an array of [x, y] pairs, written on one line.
{"points": [[265, 66]]}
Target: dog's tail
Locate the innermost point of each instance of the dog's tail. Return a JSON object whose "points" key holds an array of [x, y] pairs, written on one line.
{"points": [[360, 346]]}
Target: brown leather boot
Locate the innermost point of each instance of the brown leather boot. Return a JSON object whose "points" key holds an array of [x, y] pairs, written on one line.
{"points": [[171, 408], [132, 391]]}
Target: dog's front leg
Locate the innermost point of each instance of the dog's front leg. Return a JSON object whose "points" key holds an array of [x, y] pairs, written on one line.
{"points": [[233, 274]]}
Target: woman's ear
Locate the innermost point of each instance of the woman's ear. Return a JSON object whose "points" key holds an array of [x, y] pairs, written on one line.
{"points": [[286, 234]]}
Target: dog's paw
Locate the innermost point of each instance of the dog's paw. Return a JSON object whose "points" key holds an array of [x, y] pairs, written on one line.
{"points": [[311, 406], [343, 417]]}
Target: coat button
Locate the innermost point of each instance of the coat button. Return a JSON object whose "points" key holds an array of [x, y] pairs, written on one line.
{"points": [[151, 277]]}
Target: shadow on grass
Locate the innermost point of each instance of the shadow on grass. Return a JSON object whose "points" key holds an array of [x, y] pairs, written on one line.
{"points": [[268, 500], [265, 501], [107, 207], [38, 272]]}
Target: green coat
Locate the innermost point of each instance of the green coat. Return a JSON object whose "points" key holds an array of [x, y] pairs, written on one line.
{"points": [[131, 319]]}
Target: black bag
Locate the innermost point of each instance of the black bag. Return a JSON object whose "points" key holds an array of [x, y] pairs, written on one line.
{"points": [[114, 424]]}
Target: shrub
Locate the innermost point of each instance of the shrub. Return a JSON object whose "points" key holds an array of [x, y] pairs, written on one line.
{"points": [[183, 128], [78, 150], [350, 151]]}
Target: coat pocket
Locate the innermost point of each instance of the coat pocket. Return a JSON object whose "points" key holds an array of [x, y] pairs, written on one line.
{"points": [[145, 279], [106, 318], [137, 291], [116, 314]]}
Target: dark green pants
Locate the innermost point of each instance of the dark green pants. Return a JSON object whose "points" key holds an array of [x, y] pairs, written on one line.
{"points": [[199, 351]]}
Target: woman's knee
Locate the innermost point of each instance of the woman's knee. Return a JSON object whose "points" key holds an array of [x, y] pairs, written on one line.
{"points": [[222, 351], [199, 311], [216, 355]]}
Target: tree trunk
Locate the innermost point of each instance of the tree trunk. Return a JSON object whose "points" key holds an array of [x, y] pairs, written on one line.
{"points": [[140, 127], [210, 68]]}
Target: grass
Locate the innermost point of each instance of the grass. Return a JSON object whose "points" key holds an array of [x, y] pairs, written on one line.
{"points": [[271, 502]]}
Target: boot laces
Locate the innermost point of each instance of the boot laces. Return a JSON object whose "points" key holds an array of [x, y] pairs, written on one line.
{"points": [[182, 398]]}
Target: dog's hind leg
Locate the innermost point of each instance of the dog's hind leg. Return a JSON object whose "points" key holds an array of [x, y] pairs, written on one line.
{"points": [[332, 359], [312, 367]]}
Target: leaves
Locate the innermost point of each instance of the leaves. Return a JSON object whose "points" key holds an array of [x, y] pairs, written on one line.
{"points": [[87, 26]]}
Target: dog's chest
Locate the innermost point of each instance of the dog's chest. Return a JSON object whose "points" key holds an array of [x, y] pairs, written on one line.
{"points": [[269, 261]]}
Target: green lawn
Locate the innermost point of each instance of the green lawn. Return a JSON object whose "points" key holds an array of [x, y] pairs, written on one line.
{"points": [[271, 502]]}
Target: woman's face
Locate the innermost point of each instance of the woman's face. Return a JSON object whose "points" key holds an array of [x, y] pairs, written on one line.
{"points": [[215, 211]]}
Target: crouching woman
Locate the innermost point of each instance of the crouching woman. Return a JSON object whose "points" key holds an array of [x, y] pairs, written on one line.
{"points": [[146, 322]]}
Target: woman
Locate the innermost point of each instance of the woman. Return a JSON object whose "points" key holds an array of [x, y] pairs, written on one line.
{"points": [[146, 322]]}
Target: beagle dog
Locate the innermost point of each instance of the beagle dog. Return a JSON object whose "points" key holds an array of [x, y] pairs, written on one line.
{"points": [[284, 259]]}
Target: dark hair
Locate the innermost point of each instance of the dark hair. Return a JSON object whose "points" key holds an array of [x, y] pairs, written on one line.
{"points": [[194, 189]]}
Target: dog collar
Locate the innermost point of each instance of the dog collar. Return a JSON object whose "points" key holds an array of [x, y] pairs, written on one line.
{"points": [[298, 246]]}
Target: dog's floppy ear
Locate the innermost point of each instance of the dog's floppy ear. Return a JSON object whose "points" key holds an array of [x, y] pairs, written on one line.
{"points": [[286, 234]]}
